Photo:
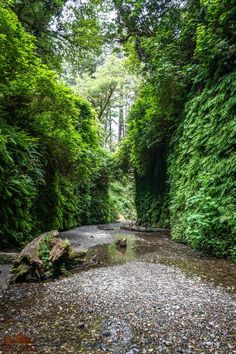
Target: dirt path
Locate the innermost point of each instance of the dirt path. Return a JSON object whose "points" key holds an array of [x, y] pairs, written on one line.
{"points": [[154, 297]]}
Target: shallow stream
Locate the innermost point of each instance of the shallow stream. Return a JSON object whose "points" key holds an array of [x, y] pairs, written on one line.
{"points": [[153, 296]]}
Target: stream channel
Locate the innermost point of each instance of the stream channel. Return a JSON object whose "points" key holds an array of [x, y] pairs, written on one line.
{"points": [[154, 296]]}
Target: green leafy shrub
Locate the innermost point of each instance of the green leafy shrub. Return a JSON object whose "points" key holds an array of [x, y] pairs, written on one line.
{"points": [[182, 127], [44, 250], [202, 168], [51, 166], [122, 196], [20, 176]]}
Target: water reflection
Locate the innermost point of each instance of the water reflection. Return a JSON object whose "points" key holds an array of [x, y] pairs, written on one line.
{"points": [[112, 254], [119, 254], [159, 248]]}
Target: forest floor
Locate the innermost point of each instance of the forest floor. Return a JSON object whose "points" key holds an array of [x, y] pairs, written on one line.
{"points": [[155, 296]]}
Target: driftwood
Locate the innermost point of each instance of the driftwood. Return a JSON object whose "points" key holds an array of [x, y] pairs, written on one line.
{"points": [[8, 257], [30, 252], [136, 228], [44, 257]]}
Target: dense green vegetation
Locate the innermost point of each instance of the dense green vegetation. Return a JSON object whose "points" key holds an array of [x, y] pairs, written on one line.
{"points": [[182, 128], [202, 199], [57, 163], [53, 171]]}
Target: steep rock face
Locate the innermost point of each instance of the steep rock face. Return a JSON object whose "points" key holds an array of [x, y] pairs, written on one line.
{"points": [[202, 167], [151, 188]]}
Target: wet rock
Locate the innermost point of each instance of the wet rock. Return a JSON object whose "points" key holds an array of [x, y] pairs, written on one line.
{"points": [[167, 343], [81, 325], [122, 242], [106, 334], [133, 351], [93, 260]]}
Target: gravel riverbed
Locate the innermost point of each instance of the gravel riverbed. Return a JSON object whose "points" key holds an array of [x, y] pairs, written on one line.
{"points": [[146, 299]]}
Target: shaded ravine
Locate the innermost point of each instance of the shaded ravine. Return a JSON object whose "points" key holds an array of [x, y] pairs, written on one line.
{"points": [[154, 297]]}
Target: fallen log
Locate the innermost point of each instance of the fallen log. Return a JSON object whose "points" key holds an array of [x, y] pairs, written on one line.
{"points": [[8, 257], [136, 228], [44, 257]]}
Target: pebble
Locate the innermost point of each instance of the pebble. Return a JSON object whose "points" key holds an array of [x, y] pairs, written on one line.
{"points": [[106, 334], [136, 307]]}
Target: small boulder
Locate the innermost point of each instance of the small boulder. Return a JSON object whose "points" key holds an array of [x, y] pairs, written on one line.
{"points": [[122, 242]]}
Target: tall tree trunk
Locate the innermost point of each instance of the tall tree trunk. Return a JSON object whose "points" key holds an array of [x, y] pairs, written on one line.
{"points": [[121, 119], [110, 129]]}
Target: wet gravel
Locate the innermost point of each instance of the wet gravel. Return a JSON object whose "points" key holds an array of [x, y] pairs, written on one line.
{"points": [[4, 276], [133, 302], [92, 235]]}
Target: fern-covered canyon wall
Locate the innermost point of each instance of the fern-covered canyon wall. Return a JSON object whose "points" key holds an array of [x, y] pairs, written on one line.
{"points": [[53, 169], [202, 168], [182, 127]]}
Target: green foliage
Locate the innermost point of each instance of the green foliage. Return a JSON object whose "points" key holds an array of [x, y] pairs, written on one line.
{"points": [[122, 186], [202, 168], [52, 167], [44, 250], [63, 30], [20, 175], [151, 203], [111, 90], [144, 130], [140, 17], [215, 45], [202, 161], [182, 126], [122, 200], [181, 140], [147, 148], [157, 110]]}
